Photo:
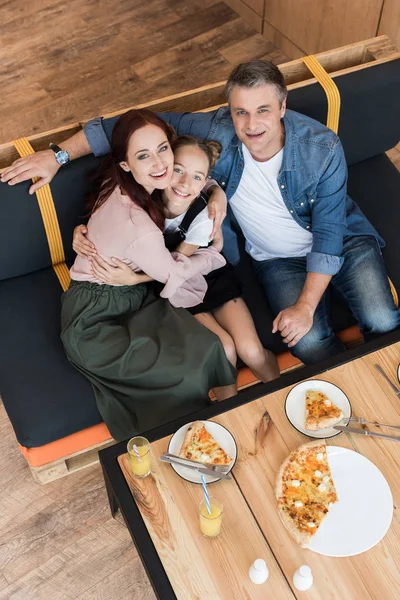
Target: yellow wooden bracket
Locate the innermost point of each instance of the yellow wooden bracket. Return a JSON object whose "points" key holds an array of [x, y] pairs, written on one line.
{"points": [[330, 88], [50, 220]]}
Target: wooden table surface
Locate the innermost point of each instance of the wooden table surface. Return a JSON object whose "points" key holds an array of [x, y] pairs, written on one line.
{"points": [[199, 568]]}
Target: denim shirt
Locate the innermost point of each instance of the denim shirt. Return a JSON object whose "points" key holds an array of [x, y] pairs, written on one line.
{"points": [[312, 179]]}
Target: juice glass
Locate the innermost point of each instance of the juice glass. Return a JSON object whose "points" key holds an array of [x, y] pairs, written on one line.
{"points": [[140, 466], [210, 524]]}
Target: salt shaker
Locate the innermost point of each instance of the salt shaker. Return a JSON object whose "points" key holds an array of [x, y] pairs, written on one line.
{"points": [[303, 579], [258, 571]]}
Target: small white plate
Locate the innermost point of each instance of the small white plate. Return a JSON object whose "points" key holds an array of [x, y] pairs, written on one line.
{"points": [[295, 405], [364, 511], [221, 435]]}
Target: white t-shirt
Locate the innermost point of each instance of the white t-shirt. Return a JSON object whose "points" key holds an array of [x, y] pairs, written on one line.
{"points": [[199, 231], [258, 206]]}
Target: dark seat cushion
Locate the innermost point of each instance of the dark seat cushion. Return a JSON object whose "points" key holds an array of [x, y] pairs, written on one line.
{"points": [[45, 397], [22, 233], [369, 121]]}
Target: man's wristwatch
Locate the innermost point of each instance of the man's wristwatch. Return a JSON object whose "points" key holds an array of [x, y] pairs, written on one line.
{"points": [[62, 156]]}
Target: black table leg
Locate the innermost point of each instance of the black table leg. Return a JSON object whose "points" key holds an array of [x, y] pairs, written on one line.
{"points": [[112, 499]]}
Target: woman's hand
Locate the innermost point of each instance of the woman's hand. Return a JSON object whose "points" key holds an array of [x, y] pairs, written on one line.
{"points": [[217, 208], [119, 274], [81, 244]]}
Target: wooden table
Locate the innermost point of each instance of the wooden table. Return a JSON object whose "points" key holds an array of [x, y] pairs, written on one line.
{"points": [[161, 511]]}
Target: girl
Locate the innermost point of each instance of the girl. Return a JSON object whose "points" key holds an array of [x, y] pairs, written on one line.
{"points": [[145, 359], [222, 311]]}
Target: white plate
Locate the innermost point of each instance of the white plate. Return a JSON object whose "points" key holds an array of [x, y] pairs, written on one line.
{"points": [[295, 405], [221, 435], [398, 373], [364, 511]]}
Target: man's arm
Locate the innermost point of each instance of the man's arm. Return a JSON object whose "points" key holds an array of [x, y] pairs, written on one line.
{"points": [[328, 222], [95, 137], [43, 164]]}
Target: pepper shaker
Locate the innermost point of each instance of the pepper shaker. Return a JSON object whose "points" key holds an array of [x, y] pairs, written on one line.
{"points": [[258, 571]]}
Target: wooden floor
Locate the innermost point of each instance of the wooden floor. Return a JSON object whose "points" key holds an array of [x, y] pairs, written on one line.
{"points": [[62, 62]]}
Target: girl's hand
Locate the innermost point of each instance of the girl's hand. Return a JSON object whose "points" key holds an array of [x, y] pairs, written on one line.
{"points": [[80, 244], [119, 274], [218, 241], [217, 204]]}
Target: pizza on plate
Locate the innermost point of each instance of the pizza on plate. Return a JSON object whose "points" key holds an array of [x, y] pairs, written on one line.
{"points": [[305, 491], [320, 411], [199, 445]]}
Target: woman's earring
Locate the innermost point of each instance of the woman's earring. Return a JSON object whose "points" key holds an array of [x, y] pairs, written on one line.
{"points": [[124, 167]]}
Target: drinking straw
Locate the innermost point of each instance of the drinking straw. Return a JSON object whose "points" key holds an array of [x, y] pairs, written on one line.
{"points": [[136, 451], [206, 496]]}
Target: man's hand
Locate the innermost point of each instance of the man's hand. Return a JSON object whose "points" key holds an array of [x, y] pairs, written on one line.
{"points": [[293, 323], [119, 274], [217, 208], [81, 244], [42, 164]]}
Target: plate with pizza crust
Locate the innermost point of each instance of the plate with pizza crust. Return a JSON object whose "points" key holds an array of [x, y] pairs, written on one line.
{"points": [[221, 435], [295, 406]]}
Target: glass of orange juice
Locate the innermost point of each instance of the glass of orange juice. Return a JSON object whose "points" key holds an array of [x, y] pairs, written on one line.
{"points": [[139, 460], [210, 523]]}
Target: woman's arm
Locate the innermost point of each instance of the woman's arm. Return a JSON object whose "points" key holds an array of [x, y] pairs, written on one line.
{"points": [[151, 256], [117, 274]]}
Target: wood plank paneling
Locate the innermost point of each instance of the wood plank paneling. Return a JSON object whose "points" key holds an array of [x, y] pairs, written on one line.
{"points": [[390, 21], [317, 25], [277, 38], [248, 14]]}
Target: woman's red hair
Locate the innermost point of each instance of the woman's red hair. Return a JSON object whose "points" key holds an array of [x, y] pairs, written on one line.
{"points": [[112, 175]]}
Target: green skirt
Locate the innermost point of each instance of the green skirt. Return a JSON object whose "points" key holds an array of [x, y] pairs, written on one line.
{"points": [[148, 362]]}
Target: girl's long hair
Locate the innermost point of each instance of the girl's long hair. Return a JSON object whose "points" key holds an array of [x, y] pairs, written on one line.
{"points": [[110, 175]]}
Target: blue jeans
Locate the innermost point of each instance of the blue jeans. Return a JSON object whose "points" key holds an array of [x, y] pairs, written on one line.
{"points": [[362, 282]]}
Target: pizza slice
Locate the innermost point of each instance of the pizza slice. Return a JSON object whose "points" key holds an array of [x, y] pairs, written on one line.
{"points": [[305, 491], [320, 411], [199, 445]]}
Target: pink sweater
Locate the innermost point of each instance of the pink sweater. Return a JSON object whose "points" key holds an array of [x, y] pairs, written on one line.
{"points": [[121, 229]]}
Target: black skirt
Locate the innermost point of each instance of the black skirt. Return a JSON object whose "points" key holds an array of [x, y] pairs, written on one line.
{"points": [[222, 287]]}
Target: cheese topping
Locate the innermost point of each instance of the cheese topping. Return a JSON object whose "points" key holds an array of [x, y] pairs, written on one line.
{"points": [[295, 483], [320, 456], [322, 487], [298, 504], [317, 473]]}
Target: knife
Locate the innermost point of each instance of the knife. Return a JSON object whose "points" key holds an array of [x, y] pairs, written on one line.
{"points": [[382, 372], [202, 470], [366, 432], [189, 462]]}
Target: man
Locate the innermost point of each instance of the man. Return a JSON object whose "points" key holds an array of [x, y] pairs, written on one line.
{"points": [[285, 178]]}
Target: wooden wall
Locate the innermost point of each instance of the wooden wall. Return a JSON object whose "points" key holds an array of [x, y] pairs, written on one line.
{"points": [[390, 21], [302, 27]]}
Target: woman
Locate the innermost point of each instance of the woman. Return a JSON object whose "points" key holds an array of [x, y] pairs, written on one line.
{"points": [[145, 359], [222, 311]]}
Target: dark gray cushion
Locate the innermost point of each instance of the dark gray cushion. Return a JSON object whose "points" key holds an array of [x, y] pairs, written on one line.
{"points": [[370, 116], [23, 242]]}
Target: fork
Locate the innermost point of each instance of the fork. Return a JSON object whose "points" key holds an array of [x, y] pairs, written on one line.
{"points": [[363, 421]]}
